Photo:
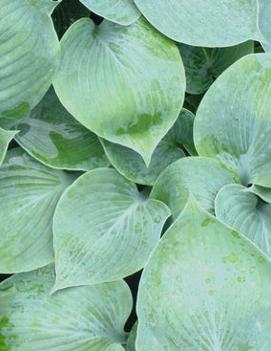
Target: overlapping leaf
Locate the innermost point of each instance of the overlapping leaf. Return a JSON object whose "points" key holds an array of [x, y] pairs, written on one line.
{"points": [[82, 318], [51, 135], [126, 84], [233, 121], [204, 288], [201, 176], [5, 138], [119, 11], [210, 23], [170, 149], [29, 51], [104, 229], [29, 192], [204, 65], [247, 213]]}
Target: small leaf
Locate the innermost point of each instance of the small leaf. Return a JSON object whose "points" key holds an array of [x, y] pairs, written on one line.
{"points": [[263, 193], [5, 138], [132, 166], [123, 12], [132, 338], [29, 192], [247, 213], [51, 135], [205, 287], [206, 23], [201, 176], [204, 65], [104, 229], [126, 84], [29, 52], [82, 318], [233, 120]]}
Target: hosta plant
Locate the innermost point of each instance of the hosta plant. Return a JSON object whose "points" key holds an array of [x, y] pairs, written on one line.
{"points": [[135, 175]]}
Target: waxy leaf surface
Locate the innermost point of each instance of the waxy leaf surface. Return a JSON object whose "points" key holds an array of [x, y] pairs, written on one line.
{"points": [[81, 318], [126, 84], [204, 288], [29, 51], [51, 135], [233, 121], [104, 229], [29, 192]]}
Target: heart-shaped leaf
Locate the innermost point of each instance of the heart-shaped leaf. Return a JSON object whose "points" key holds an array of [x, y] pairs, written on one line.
{"points": [[247, 213], [104, 229], [29, 192], [205, 287], [233, 121], [5, 138], [131, 165], [201, 176], [51, 135], [29, 51], [81, 318], [119, 11], [204, 65], [209, 23], [126, 84]]}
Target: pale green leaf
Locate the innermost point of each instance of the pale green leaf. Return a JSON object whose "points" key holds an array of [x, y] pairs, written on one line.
{"points": [[262, 192], [126, 84], [29, 192], [51, 135], [247, 213], [204, 65], [104, 229], [123, 12], [29, 51], [209, 23], [204, 288], [201, 176], [132, 338], [76, 319], [233, 121], [131, 165], [5, 138]]}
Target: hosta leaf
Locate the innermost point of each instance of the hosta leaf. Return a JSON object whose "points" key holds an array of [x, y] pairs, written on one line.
{"points": [[209, 23], [204, 65], [132, 339], [247, 213], [233, 121], [51, 135], [5, 138], [262, 192], [81, 318], [264, 23], [119, 11], [126, 84], [204, 288], [29, 52], [201, 176], [67, 13], [131, 165], [104, 229], [29, 192]]}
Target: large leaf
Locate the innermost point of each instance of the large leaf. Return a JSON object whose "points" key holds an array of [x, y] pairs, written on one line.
{"points": [[81, 319], [209, 23], [119, 11], [247, 213], [201, 176], [126, 84], [104, 229], [264, 23], [29, 51], [204, 65], [29, 192], [51, 135], [233, 121], [131, 165], [5, 138], [205, 288]]}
